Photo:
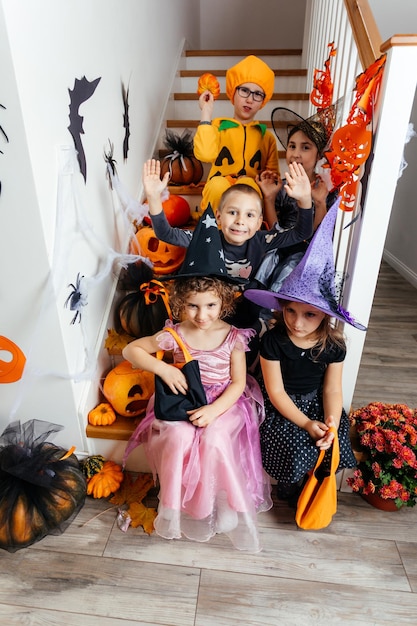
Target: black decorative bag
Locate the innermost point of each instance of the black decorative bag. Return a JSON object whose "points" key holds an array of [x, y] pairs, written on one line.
{"points": [[173, 407]]}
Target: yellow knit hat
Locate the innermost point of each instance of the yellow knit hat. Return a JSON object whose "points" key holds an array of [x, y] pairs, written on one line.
{"points": [[250, 70]]}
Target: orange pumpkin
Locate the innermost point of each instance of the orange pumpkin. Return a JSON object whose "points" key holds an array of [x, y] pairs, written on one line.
{"points": [[183, 167], [166, 258], [127, 389], [176, 209], [208, 82], [102, 415], [106, 481]]}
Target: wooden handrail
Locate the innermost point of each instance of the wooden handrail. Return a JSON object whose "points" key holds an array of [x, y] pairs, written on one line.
{"points": [[365, 31], [399, 40]]}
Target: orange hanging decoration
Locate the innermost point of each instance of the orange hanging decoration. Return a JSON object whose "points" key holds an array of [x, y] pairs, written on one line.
{"points": [[352, 143], [11, 371], [322, 93]]}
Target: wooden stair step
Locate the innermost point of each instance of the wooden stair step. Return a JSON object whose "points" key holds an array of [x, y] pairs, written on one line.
{"points": [[197, 73], [223, 96], [244, 53], [120, 430]]}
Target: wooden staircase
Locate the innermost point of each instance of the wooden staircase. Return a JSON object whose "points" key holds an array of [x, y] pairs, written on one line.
{"points": [[183, 113]]}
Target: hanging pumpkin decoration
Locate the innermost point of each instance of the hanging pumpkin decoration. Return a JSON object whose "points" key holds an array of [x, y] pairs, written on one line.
{"points": [[165, 257], [41, 485], [106, 481], [128, 389], [208, 82], [183, 167], [102, 415]]}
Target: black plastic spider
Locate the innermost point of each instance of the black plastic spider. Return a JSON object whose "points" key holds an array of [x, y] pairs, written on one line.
{"points": [[76, 299], [111, 162]]}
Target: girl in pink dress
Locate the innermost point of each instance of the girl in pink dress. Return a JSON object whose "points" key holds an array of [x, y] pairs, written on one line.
{"points": [[209, 468]]}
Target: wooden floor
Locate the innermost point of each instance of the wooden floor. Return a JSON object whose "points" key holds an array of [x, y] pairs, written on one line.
{"points": [[362, 569]]}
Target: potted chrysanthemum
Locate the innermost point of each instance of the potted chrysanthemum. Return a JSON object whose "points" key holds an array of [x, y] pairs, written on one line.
{"points": [[387, 443]]}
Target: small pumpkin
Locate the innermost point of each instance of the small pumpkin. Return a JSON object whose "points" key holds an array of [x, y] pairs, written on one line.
{"points": [[128, 389], [102, 415], [208, 82], [92, 464], [165, 257], [184, 168], [106, 481]]}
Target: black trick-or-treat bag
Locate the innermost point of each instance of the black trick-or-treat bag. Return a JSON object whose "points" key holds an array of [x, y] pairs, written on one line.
{"points": [[173, 407], [42, 486]]}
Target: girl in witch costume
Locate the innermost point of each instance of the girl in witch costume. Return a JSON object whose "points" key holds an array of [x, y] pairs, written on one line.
{"points": [[238, 148], [305, 141], [302, 363], [209, 467]]}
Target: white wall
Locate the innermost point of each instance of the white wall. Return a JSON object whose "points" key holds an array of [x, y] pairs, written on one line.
{"points": [[400, 249], [44, 46], [245, 24]]}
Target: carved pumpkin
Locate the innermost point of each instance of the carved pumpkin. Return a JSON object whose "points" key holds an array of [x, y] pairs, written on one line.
{"points": [[102, 415], [208, 82], [41, 486], [127, 389], [183, 167], [106, 481], [165, 257]]}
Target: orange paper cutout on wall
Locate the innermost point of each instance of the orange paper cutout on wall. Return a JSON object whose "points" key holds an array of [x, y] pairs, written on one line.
{"points": [[11, 371]]}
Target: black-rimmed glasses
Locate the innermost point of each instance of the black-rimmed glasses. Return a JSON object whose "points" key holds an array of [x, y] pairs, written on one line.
{"points": [[244, 92]]}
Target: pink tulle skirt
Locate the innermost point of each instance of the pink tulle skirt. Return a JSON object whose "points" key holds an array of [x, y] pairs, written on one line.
{"points": [[211, 479]]}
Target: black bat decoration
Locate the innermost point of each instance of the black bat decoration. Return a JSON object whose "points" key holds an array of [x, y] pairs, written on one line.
{"points": [[83, 89], [126, 125], [2, 131]]}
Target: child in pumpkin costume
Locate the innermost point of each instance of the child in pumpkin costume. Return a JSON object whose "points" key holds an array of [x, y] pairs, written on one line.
{"points": [[238, 148]]}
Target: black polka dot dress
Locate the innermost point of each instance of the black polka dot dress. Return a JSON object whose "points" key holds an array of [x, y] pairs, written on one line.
{"points": [[288, 452]]}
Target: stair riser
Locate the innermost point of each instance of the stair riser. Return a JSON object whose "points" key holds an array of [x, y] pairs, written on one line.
{"points": [[274, 61], [282, 84], [186, 109]]}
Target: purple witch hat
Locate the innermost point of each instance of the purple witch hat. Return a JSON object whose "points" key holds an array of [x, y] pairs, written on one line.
{"points": [[312, 281]]}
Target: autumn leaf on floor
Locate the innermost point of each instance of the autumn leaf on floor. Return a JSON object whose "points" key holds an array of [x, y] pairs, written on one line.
{"points": [[132, 491], [142, 516]]}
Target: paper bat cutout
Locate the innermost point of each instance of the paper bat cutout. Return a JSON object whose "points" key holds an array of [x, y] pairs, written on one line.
{"points": [[2, 132], [83, 89], [126, 125]]}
